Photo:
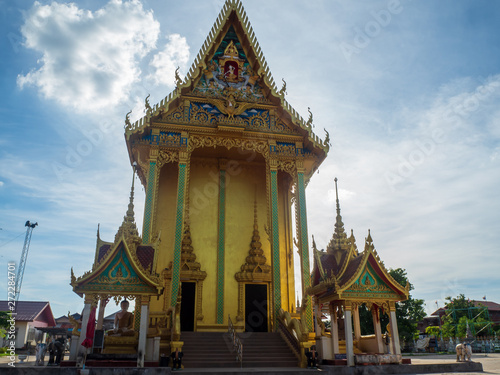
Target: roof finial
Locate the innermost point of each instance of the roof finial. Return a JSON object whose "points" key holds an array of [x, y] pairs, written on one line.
{"points": [[130, 211], [128, 228], [337, 196], [339, 240]]}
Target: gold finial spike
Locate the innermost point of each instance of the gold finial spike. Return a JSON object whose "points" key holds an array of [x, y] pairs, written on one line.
{"points": [[337, 196], [339, 240], [130, 211]]}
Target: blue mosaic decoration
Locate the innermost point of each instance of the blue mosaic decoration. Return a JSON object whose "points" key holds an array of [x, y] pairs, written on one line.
{"points": [[276, 243], [181, 186], [306, 280], [148, 210], [166, 139], [221, 247]]}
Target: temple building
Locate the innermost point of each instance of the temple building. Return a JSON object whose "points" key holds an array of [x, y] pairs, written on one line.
{"points": [[224, 161], [221, 160]]}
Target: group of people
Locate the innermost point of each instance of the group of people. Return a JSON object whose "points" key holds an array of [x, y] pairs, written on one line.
{"points": [[56, 351]]}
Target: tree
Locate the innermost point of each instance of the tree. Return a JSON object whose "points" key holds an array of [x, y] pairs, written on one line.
{"points": [[408, 313], [460, 312], [4, 318], [433, 331]]}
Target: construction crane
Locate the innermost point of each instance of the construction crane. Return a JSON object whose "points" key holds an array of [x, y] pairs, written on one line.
{"points": [[24, 257]]}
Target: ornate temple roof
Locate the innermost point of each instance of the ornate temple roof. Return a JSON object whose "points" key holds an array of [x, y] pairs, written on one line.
{"points": [[341, 272], [229, 88], [123, 267]]}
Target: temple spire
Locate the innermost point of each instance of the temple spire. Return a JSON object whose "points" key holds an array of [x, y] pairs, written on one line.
{"points": [[339, 241], [128, 229], [337, 196], [130, 212]]}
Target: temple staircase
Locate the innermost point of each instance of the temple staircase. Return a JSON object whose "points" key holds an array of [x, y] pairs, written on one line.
{"points": [[214, 349]]}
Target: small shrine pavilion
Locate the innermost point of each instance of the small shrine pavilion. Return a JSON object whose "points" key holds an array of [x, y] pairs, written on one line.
{"points": [[123, 269], [344, 279]]}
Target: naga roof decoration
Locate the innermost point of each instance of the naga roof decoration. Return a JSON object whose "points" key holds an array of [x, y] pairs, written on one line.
{"points": [[228, 87], [341, 272]]}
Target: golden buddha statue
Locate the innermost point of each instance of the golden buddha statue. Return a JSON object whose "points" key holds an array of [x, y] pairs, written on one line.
{"points": [[124, 322]]}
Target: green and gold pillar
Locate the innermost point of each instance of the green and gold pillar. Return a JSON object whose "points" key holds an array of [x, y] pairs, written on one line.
{"points": [[275, 236], [182, 191], [150, 197], [303, 241]]}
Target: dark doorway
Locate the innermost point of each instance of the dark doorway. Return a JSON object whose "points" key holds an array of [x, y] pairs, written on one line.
{"points": [[255, 308], [187, 306]]}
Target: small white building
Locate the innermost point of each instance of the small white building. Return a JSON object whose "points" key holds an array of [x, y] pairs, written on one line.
{"points": [[30, 316]]}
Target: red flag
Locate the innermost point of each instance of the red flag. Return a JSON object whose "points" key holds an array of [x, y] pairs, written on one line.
{"points": [[89, 338]]}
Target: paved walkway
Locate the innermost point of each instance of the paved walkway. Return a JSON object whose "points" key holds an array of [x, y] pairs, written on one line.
{"points": [[491, 363]]}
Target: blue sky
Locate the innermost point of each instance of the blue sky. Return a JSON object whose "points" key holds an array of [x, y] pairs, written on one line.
{"points": [[409, 92]]}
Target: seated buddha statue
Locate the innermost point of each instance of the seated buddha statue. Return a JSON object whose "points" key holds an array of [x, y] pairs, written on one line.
{"points": [[124, 322]]}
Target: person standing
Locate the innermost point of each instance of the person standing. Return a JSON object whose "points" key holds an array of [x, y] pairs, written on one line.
{"points": [[312, 357], [177, 359]]}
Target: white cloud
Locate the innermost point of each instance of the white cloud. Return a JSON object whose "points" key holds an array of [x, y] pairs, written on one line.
{"points": [[90, 60], [1, 183], [164, 63]]}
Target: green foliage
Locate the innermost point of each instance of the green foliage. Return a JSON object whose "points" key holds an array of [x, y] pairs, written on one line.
{"points": [[433, 331], [4, 317], [409, 312], [460, 312]]}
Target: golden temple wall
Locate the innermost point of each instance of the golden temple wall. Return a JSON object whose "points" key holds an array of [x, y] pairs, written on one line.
{"points": [[244, 184]]}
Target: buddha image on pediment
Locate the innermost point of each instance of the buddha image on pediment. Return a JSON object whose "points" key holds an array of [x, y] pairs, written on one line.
{"points": [[227, 72]]}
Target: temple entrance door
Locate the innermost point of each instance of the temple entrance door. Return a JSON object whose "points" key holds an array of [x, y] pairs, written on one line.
{"points": [[256, 308], [187, 306]]}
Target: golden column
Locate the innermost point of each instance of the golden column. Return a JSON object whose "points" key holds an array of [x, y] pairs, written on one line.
{"points": [[182, 194], [275, 235], [301, 218], [149, 206]]}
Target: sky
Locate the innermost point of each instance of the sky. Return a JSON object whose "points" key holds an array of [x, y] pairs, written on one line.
{"points": [[409, 92]]}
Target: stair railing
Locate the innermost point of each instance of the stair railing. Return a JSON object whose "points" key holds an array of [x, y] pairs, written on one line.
{"points": [[176, 319], [237, 345], [295, 333]]}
